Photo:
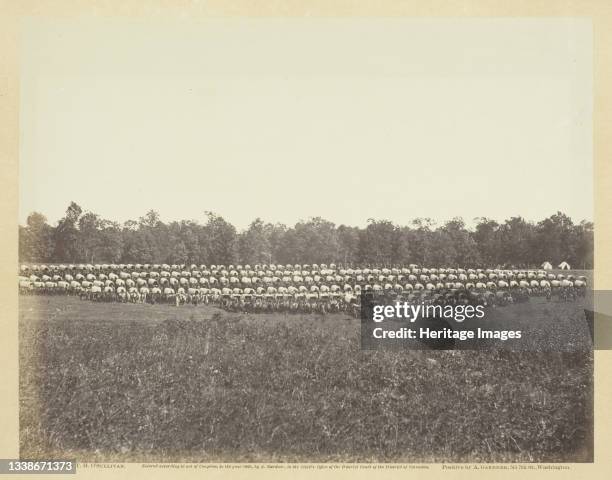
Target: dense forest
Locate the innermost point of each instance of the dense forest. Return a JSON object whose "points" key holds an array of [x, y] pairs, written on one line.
{"points": [[84, 237]]}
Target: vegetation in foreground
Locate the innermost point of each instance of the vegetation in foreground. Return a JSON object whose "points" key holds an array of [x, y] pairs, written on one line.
{"points": [[155, 383]]}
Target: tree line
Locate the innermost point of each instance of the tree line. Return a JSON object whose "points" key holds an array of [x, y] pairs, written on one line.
{"points": [[84, 237]]}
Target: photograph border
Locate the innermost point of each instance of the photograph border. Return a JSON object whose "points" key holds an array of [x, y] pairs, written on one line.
{"points": [[14, 11]]}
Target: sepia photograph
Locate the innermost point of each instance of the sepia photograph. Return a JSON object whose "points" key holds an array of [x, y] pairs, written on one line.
{"points": [[208, 210]]}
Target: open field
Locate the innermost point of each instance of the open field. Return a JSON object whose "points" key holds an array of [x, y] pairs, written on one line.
{"points": [[139, 382]]}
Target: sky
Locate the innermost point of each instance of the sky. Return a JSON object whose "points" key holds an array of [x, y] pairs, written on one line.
{"points": [[286, 119]]}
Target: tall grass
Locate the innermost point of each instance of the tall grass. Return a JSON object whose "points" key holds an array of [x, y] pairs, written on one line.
{"points": [[229, 388]]}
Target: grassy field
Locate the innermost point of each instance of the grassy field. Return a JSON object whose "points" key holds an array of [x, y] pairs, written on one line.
{"points": [[106, 382]]}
